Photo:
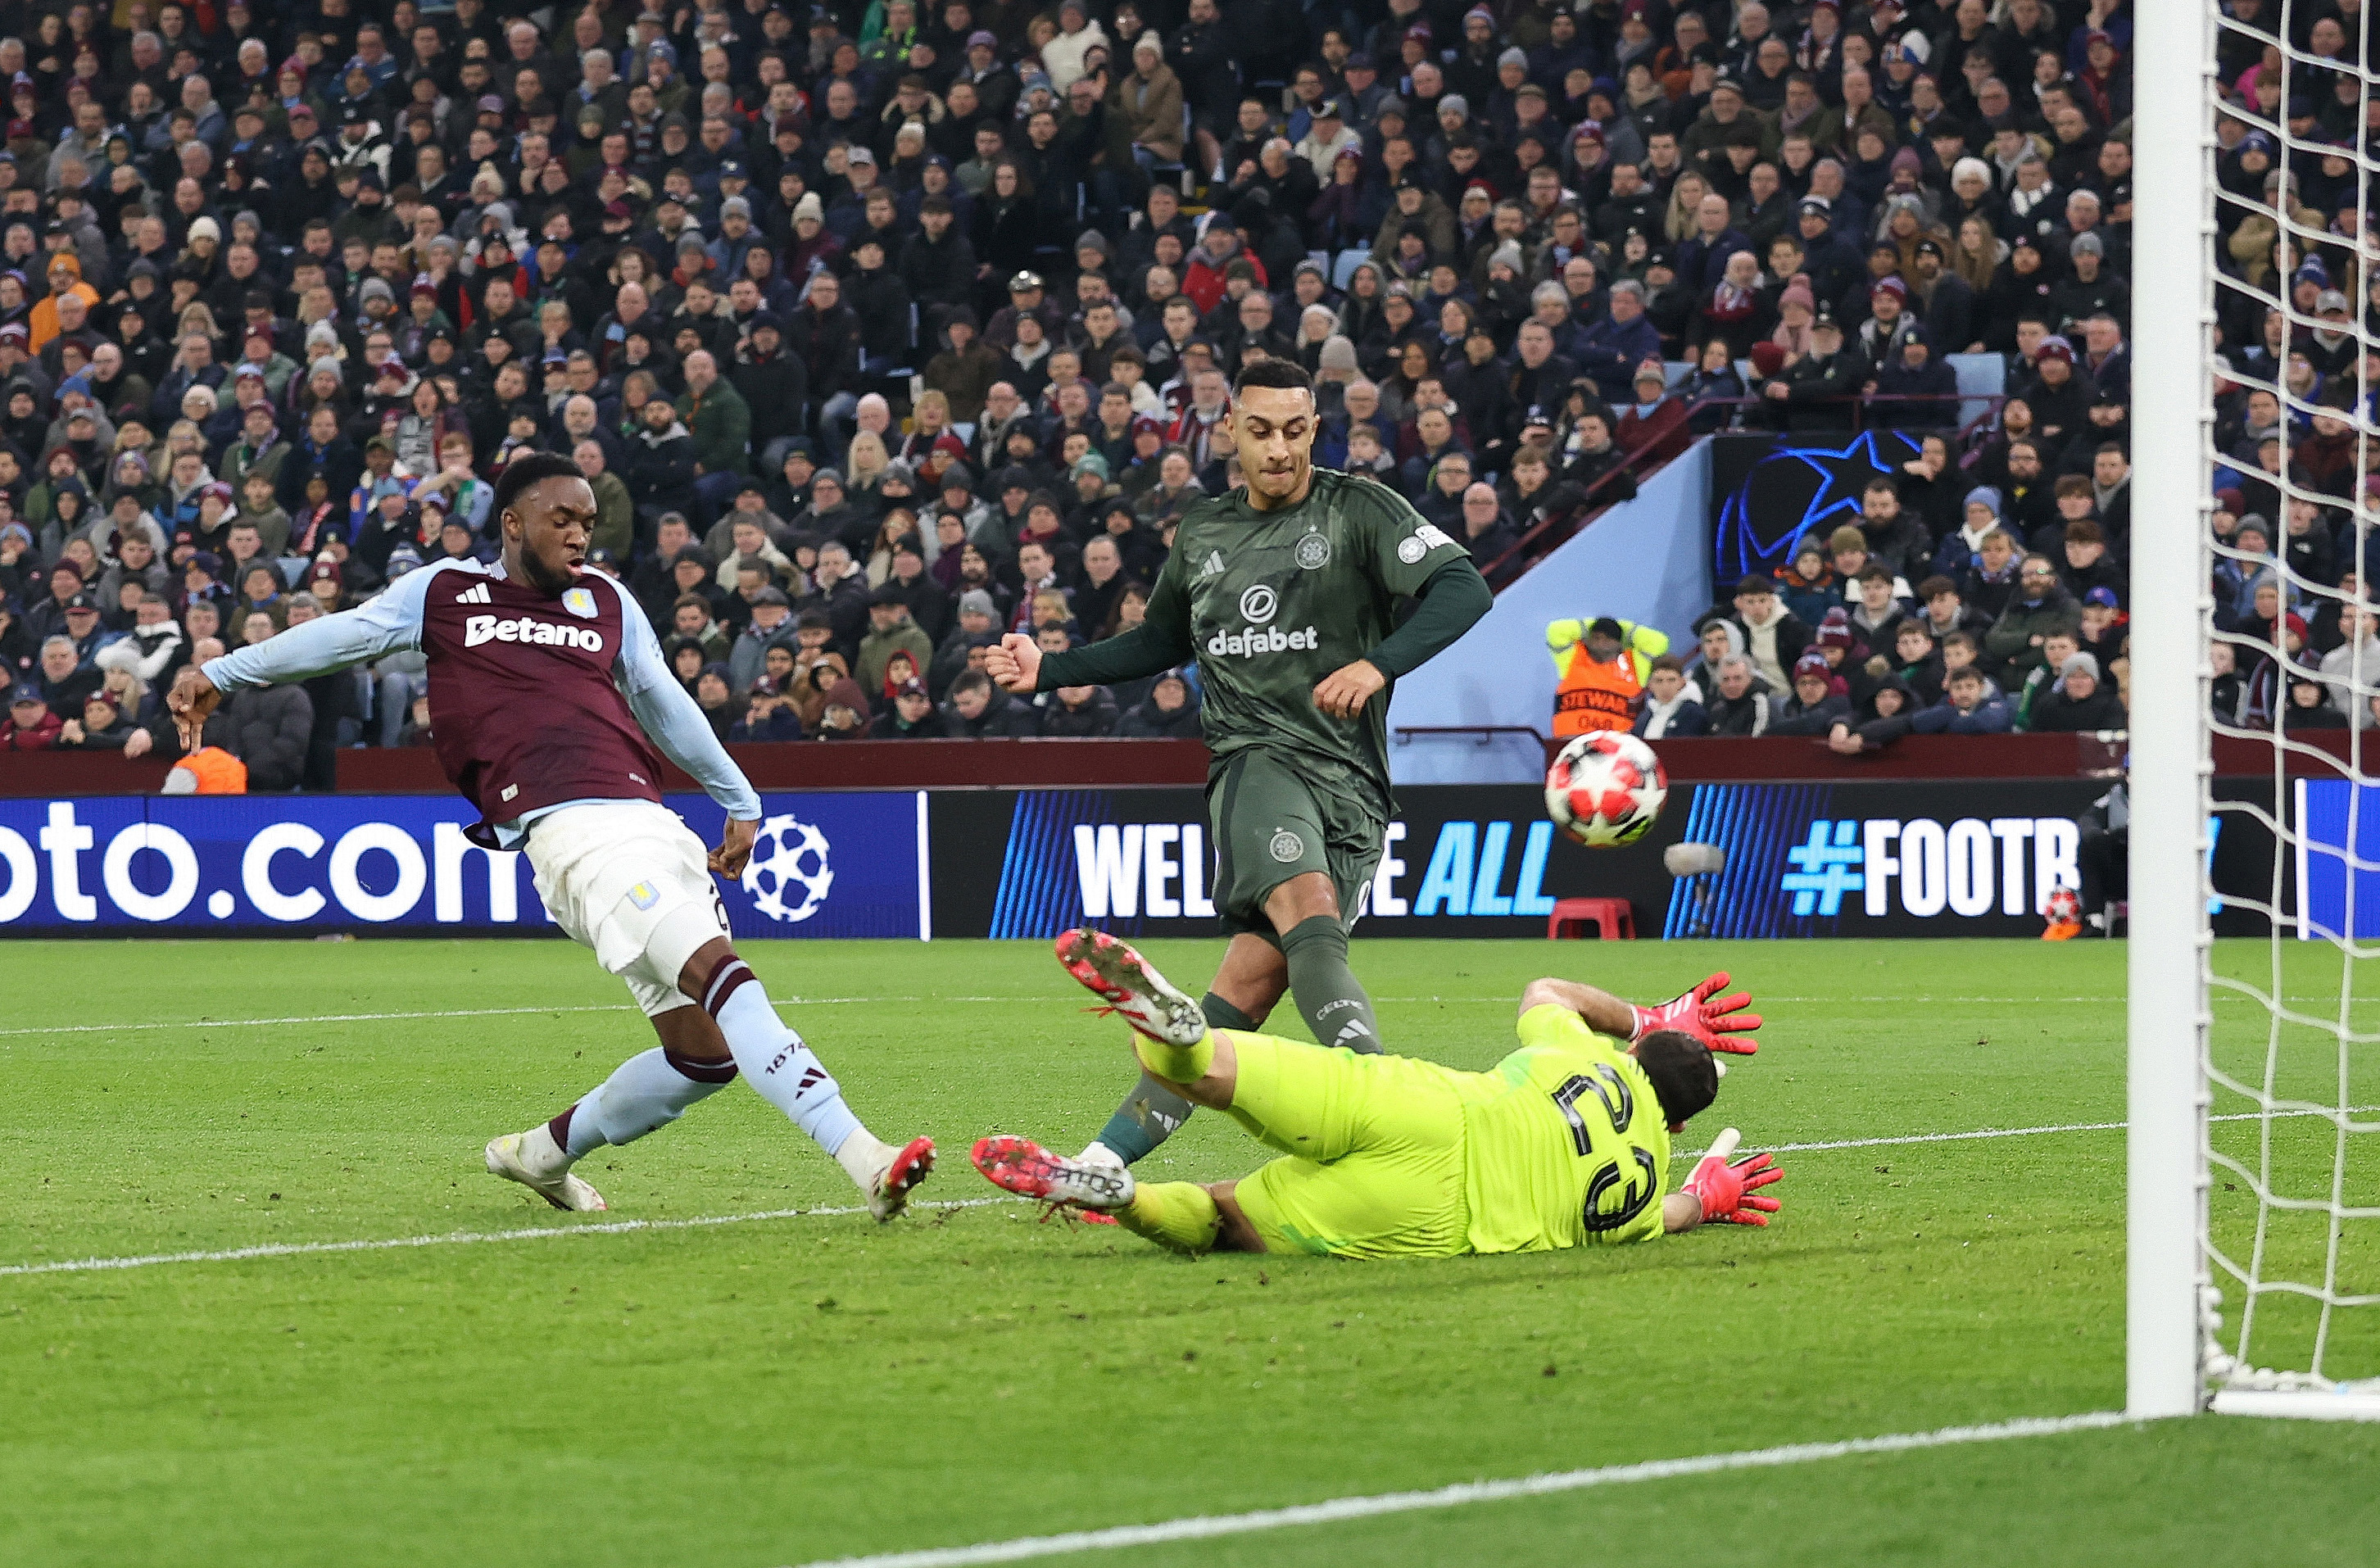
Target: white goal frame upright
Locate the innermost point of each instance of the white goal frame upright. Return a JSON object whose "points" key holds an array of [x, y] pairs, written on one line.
{"points": [[2168, 1344], [2173, 224]]}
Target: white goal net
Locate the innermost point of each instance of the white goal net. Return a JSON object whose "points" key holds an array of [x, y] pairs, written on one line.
{"points": [[2256, 1091]]}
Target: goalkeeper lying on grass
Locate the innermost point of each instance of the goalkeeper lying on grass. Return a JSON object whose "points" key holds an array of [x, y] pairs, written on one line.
{"points": [[1565, 1142]]}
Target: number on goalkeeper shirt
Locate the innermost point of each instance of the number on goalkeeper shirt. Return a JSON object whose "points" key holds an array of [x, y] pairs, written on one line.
{"points": [[1620, 1107]]}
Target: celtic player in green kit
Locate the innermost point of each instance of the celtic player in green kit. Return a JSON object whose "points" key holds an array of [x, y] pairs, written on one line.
{"points": [[1285, 592]]}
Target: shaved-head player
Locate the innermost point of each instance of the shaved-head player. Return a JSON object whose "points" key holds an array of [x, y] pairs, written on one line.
{"points": [[552, 706], [1286, 593]]}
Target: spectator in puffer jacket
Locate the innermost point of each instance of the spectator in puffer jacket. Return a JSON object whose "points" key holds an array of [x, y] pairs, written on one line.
{"points": [[2081, 702], [1169, 713], [1891, 711], [976, 708], [1968, 707], [1742, 703], [1078, 712], [270, 728], [1817, 701], [1668, 710]]}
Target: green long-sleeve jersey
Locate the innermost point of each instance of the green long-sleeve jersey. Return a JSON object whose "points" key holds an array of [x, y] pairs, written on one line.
{"points": [[1270, 602]]}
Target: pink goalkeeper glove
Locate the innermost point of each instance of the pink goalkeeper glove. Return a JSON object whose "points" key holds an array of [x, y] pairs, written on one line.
{"points": [[1727, 1192], [1701, 1011]]}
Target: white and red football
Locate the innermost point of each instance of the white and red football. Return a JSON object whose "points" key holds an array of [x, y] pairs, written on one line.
{"points": [[1605, 789]]}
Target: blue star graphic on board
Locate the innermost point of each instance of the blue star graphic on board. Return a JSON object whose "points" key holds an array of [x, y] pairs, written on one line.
{"points": [[1797, 488]]}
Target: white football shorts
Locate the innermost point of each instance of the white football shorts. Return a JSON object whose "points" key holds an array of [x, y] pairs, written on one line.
{"points": [[628, 879]]}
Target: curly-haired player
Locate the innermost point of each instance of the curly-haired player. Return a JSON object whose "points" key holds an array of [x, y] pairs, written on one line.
{"points": [[548, 697]]}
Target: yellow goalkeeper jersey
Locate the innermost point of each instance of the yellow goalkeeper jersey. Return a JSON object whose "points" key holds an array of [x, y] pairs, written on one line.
{"points": [[1564, 1141]]}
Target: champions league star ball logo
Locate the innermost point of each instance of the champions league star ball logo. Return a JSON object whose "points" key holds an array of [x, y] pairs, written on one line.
{"points": [[1795, 491], [789, 875]]}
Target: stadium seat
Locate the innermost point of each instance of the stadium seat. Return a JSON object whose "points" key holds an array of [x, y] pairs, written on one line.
{"points": [[1613, 918]]}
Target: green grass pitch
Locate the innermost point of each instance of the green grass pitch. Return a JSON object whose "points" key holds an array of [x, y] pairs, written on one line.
{"points": [[789, 1390]]}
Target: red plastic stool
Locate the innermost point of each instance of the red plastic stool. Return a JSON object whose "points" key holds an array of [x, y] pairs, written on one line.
{"points": [[1613, 918]]}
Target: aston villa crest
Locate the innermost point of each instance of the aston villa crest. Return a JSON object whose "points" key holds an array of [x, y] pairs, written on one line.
{"points": [[579, 602]]}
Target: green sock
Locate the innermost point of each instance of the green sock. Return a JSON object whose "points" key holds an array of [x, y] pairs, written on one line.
{"points": [[1148, 1117], [1330, 998], [1178, 1216], [1152, 1113], [1221, 1015]]}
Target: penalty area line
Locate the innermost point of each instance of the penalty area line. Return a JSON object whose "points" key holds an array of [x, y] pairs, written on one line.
{"points": [[1462, 1494]]}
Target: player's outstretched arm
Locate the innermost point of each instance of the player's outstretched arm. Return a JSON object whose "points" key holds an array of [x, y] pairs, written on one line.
{"points": [[1160, 642], [1720, 1022], [387, 623], [1723, 1193], [1604, 1013]]}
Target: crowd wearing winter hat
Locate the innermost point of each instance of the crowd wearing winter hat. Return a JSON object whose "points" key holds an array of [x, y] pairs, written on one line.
{"points": [[944, 299], [1526, 214]]}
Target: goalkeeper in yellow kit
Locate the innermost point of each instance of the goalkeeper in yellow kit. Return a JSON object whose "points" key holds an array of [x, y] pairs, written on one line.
{"points": [[1564, 1143]]}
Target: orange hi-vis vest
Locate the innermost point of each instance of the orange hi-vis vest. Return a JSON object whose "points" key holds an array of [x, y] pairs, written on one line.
{"points": [[217, 772], [1591, 697]]}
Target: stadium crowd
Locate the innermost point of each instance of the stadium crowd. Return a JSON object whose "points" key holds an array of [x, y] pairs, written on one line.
{"points": [[880, 334]]}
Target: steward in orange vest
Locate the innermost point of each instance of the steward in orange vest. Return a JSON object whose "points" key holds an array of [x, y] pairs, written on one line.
{"points": [[1599, 671]]}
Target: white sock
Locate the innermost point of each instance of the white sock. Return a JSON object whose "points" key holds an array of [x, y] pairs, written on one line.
{"points": [[645, 1093], [1100, 1154], [862, 1158], [540, 1155], [786, 1073]]}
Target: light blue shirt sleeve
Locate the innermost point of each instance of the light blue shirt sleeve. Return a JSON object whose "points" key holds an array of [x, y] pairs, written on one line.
{"points": [[674, 721], [388, 623]]}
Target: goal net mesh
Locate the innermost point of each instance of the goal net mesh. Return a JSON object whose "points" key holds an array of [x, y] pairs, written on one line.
{"points": [[2290, 1224]]}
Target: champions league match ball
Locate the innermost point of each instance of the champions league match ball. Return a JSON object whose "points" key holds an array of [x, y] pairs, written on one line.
{"points": [[1605, 789]]}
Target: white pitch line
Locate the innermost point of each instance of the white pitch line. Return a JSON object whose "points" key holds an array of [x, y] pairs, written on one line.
{"points": [[2000, 1133], [1462, 1494], [969, 1000], [455, 1238], [315, 1018], [618, 1227]]}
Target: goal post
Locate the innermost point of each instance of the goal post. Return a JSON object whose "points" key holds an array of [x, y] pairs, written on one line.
{"points": [[2173, 235], [2251, 1148]]}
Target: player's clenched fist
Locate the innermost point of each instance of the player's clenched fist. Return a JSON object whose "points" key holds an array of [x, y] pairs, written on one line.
{"points": [[1343, 692], [735, 840], [1014, 664]]}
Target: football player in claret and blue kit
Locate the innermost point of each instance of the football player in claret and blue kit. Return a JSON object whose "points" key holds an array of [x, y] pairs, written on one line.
{"points": [[553, 707]]}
